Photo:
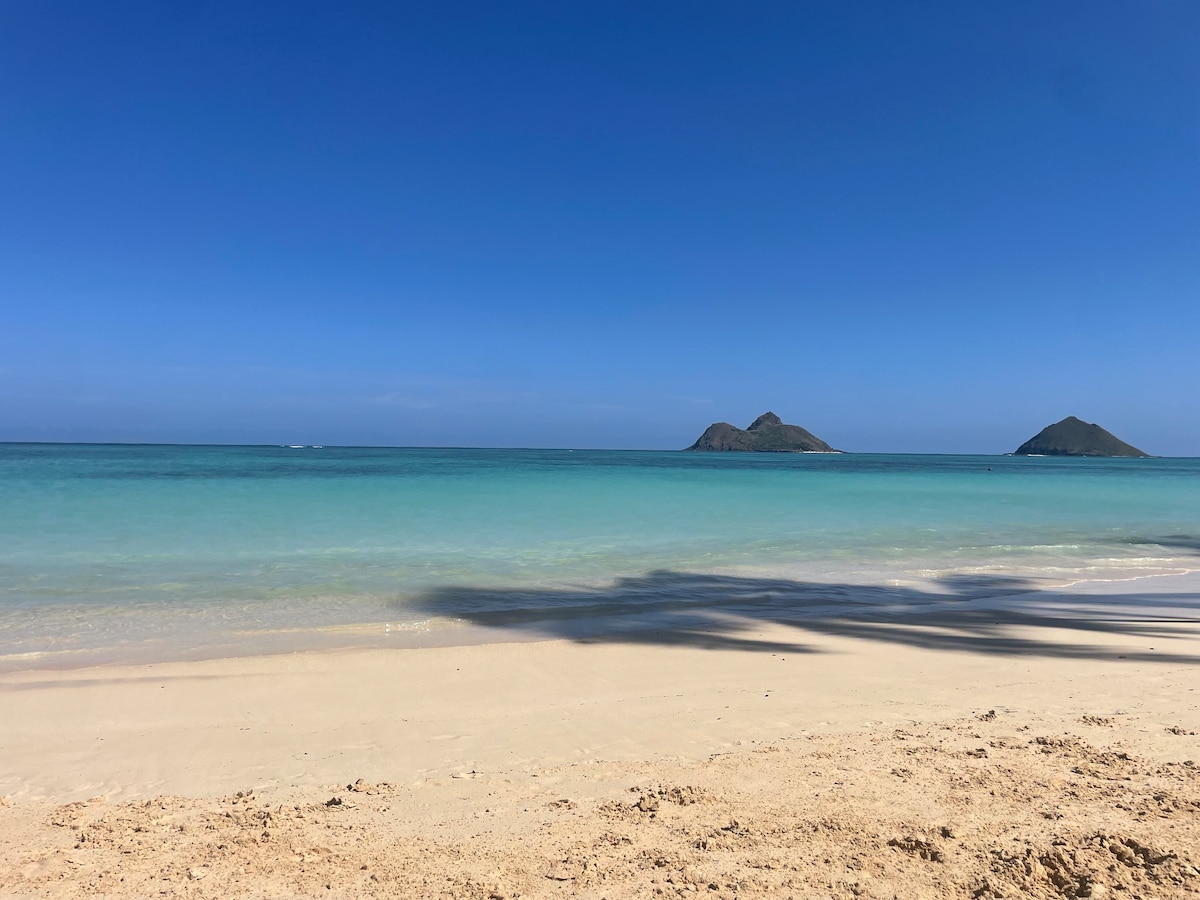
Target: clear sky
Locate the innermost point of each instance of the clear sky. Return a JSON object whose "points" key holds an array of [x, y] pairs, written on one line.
{"points": [[904, 226]]}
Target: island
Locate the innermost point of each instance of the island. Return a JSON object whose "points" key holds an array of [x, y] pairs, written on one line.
{"points": [[1075, 437], [767, 434]]}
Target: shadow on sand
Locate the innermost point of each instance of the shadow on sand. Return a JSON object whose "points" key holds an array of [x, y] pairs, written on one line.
{"points": [[981, 614]]}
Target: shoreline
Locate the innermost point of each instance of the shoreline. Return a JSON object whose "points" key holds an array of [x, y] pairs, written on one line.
{"points": [[914, 596]]}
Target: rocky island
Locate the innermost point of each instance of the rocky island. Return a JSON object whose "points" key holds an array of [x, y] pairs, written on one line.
{"points": [[1074, 437], [767, 433]]}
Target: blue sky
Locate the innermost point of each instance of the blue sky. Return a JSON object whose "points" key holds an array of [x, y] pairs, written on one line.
{"points": [[907, 227]]}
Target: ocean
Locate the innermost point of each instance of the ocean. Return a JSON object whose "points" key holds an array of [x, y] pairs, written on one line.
{"points": [[113, 553]]}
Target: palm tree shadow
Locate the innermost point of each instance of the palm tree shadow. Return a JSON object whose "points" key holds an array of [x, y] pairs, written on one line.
{"points": [[995, 615]]}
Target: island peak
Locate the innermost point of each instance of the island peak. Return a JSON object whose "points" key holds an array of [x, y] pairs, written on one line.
{"points": [[1075, 437], [767, 418]]}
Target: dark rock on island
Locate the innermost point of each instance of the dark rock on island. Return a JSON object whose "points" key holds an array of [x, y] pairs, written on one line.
{"points": [[768, 433], [1074, 437]]}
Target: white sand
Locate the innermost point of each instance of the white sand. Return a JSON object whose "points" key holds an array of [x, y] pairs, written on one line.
{"points": [[519, 722]]}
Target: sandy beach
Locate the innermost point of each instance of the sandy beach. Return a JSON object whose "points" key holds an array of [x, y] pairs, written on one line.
{"points": [[1039, 746]]}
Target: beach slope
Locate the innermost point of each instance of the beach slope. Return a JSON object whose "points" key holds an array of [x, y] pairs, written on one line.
{"points": [[1042, 748]]}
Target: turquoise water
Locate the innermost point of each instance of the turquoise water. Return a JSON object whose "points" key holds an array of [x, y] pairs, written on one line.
{"points": [[111, 551]]}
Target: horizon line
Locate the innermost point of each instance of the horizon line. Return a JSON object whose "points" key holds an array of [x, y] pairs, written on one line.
{"points": [[1008, 453]]}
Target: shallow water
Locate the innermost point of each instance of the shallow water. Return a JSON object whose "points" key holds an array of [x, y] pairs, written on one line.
{"points": [[130, 551]]}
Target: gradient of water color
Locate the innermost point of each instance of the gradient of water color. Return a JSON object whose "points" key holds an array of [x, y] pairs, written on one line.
{"points": [[112, 552]]}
